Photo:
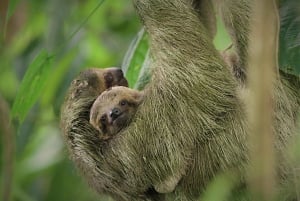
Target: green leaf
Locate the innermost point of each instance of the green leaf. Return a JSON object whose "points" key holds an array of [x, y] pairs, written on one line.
{"points": [[135, 58], [55, 81], [289, 41], [32, 85]]}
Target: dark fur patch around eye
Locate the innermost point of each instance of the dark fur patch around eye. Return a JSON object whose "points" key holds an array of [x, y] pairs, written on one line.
{"points": [[109, 78], [102, 122], [129, 103], [123, 102], [103, 119]]}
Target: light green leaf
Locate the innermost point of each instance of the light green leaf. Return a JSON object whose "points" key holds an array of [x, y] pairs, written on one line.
{"points": [[32, 85], [55, 81], [135, 58]]}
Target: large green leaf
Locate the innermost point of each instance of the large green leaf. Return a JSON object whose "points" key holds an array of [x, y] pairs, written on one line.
{"points": [[289, 46], [59, 74], [134, 62], [32, 85]]}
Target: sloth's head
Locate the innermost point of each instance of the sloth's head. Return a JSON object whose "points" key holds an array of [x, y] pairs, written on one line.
{"points": [[114, 109], [93, 81]]}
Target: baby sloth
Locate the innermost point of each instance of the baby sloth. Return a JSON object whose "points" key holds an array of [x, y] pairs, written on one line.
{"points": [[114, 109]]}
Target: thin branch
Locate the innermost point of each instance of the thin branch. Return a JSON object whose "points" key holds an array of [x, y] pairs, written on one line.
{"points": [[262, 70]]}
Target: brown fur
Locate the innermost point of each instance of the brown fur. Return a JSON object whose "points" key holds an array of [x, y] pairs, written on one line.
{"points": [[191, 125], [97, 81], [235, 15], [114, 109]]}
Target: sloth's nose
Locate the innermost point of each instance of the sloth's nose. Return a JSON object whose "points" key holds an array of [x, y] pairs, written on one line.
{"points": [[115, 113]]}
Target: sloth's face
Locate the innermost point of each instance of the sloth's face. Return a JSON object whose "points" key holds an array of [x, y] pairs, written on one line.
{"points": [[113, 110]]}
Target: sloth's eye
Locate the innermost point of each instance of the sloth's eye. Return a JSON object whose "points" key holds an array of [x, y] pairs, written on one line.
{"points": [[109, 78], [123, 103], [103, 119]]}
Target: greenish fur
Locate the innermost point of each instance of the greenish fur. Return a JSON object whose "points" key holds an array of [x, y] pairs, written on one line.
{"points": [[192, 121], [206, 12], [235, 15]]}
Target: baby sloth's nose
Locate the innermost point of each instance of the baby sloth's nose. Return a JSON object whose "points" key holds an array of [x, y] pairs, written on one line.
{"points": [[115, 113]]}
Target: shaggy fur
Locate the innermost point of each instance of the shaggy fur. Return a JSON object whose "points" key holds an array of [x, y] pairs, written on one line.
{"points": [[191, 124]]}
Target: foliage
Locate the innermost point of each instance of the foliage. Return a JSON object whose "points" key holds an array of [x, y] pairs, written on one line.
{"points": [[32, 85], [43, 46], [289, 51]]}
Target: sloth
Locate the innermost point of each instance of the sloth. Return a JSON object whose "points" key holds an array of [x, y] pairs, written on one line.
{"points": [[84, 90], [114, 109], [98, 80], [191, 125]]}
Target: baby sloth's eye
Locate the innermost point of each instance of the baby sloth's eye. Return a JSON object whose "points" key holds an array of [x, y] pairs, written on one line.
{"points": [[123, 102], [103, 119]]}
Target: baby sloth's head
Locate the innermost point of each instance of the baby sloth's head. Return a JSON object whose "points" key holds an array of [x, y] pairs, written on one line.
{"points": [[114, 109]]}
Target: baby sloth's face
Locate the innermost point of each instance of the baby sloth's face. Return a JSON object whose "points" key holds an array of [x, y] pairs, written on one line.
{"points": [[114, 109]]}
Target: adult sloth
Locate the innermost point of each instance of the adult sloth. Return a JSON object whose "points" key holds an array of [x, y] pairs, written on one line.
{"points": [[190, 126]]}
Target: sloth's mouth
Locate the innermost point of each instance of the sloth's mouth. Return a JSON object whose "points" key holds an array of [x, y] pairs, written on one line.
{"points": [[119, 123]]}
